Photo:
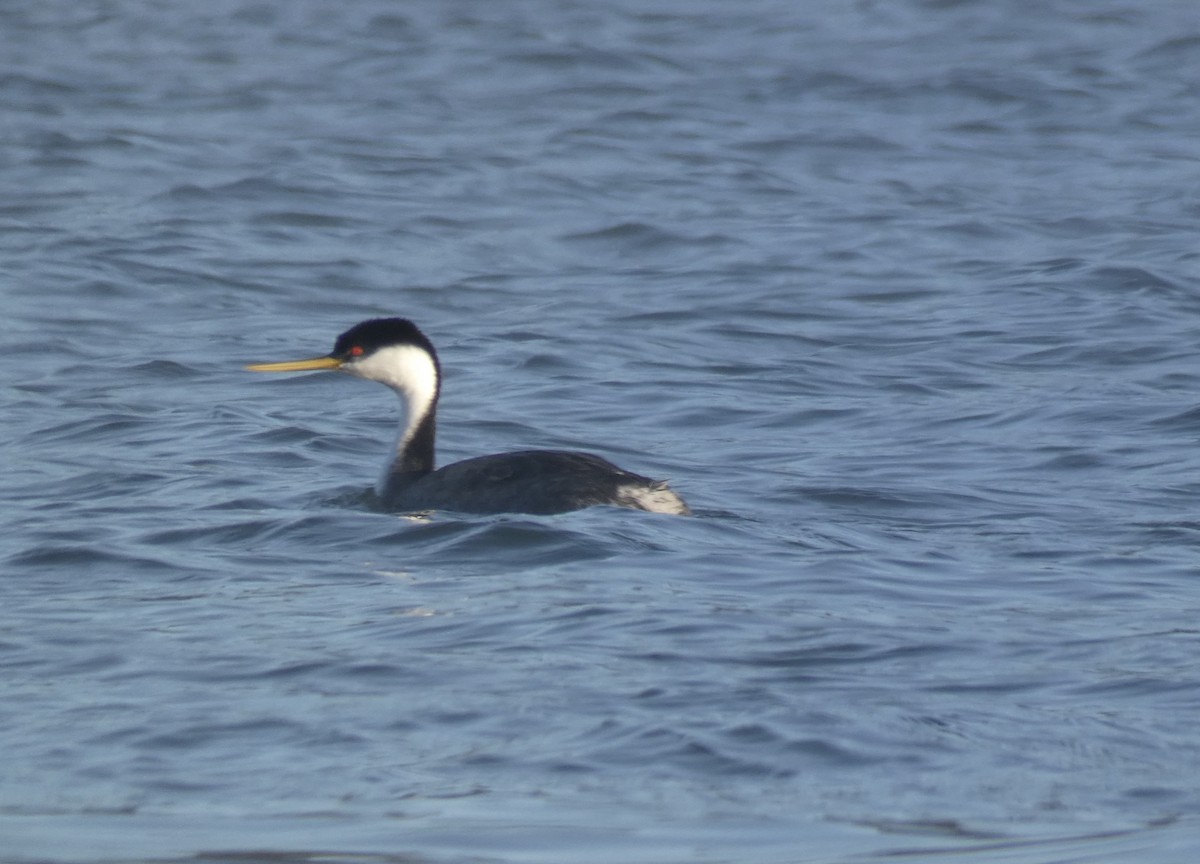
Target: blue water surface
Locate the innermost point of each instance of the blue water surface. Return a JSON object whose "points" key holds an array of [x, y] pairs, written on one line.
{"points": [[903, 297]]}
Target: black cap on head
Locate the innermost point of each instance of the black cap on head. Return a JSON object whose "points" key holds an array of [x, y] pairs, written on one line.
{"points": [[369, 336]]}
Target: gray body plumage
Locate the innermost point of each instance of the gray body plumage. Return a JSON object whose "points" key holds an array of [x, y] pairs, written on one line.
{"points": [[529, 481]]}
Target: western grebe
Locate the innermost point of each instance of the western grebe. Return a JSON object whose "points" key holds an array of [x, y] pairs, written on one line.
{"points": [[394, 352]]}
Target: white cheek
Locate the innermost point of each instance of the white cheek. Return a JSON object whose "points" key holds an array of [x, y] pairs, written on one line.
{"points": [[406, 369]]}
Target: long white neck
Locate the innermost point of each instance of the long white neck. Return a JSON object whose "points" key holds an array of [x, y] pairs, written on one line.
{"points": [[412, 373]]}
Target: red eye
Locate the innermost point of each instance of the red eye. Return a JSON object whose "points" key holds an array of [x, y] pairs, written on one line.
{"points": [[356, 351]]}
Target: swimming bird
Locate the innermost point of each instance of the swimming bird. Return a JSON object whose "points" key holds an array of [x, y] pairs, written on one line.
{"points": [[393, 351]]}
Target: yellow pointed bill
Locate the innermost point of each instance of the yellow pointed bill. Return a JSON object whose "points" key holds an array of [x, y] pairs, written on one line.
{"points": [[312, 365]]}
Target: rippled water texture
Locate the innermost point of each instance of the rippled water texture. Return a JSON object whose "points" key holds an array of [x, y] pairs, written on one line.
{"points": [[902, 296]]}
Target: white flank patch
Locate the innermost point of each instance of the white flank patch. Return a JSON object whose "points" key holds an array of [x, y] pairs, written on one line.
{"points": [[656, 499]]}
